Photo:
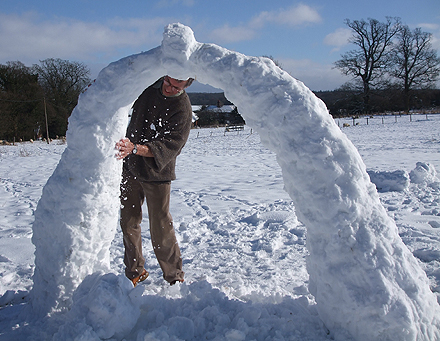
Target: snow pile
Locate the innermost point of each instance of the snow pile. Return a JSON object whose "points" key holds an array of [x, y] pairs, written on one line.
{"points": [[366, 283], [390, 181], [399, 180], [424, 173], [104, 307], [203, 313]]}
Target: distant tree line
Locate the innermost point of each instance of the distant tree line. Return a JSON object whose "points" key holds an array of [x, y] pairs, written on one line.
{"points": [[348, 102], [39, 99], [208, 98], [208, 117]]}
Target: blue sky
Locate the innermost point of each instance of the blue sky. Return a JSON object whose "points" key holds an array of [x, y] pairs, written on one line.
{"points": [[305, 37]]}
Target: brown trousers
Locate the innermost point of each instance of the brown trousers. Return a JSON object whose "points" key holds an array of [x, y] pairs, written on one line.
{"points": [[163, 238]]}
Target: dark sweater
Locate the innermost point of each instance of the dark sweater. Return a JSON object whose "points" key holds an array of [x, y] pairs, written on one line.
{"points": [[163, 124]]}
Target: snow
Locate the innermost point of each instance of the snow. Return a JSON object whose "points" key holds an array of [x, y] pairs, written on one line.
{"points": [[282, 233], [244, 249]]}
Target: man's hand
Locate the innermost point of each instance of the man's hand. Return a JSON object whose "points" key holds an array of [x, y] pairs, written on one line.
{"points": [[124, 147]]}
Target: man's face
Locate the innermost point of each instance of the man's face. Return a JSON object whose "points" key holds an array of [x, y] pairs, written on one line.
{"points": [[172, 87]]}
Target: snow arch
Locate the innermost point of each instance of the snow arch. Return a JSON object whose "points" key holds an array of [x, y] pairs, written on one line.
{"points": [[366, 282]]}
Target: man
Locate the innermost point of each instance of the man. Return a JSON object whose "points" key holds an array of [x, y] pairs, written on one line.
{"points": [[158, 130]]}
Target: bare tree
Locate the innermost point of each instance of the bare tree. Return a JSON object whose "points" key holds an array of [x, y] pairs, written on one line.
{"points": [[62, 81], [415, 62], [368, 62]]}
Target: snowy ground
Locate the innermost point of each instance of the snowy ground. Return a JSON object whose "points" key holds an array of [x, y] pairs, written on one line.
{"points": [[243, 247]]}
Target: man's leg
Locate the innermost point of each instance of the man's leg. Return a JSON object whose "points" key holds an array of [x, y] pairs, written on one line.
{"points": [[132, 197], [162, 232]]}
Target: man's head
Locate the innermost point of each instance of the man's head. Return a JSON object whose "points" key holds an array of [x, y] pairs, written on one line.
{"points": [[173, 87]]}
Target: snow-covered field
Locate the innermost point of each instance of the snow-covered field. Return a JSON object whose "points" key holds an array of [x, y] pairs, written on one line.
{"points": [[244, 249]]}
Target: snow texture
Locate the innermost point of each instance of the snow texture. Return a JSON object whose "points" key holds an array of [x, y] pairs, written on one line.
{"points": [[367, 284]]}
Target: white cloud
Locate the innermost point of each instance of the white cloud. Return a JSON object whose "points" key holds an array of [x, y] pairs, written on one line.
{"points": [[434, 29], [294, 16], [338, 38], [428, 26], [28, 38], [435, 41]]}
